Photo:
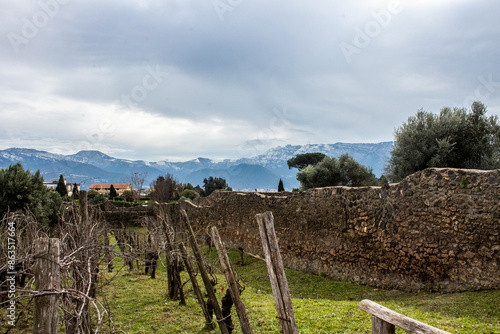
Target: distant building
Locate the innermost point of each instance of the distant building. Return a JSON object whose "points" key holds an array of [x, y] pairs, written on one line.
{"points": [[103, 188], [145, 192], [69, 186]]}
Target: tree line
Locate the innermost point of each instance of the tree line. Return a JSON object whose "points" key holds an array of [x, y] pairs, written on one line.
{"points": [[456, 138], [168, 188]]}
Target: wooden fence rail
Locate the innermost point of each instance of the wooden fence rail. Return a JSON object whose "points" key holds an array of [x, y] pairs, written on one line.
{"points": [[384, 320]]}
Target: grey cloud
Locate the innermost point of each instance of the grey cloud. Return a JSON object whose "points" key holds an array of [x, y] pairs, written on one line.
{"points": [[261, 57]]}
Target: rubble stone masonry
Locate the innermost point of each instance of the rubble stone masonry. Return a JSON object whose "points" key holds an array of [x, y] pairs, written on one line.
{"points": [[437, 230]]}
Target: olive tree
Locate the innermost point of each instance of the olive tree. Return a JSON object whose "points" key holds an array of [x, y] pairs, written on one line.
{"points": [[215, 183], [453, 138]]}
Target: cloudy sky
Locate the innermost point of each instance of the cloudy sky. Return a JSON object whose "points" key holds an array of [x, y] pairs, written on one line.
{"points": [[165, 79]]}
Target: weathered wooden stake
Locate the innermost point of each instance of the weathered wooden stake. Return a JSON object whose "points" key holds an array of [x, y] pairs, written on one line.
{"points": [[204, 275], [47, 278], [279, 283], [107, 251], [85, 232], [196, 287], [242, 257], [84, 210], [174, 284], [231, 282], [138, 251], [147, 256]]}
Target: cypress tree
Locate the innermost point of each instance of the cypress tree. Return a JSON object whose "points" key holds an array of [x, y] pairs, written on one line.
{"points": [[112, 192], [280, 186], [61, 187], [75, 191]]}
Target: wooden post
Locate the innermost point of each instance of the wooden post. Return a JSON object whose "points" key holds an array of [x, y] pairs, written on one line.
{"points": [[79, 282], [379, 326], [174, 284], [131, 249], [84, 213], [204, 276], [138, 251], [384, 320], [231, 282], [107, 251], [242, 258], [196, 287], [279, 283], [47, 279], [147, 256]]}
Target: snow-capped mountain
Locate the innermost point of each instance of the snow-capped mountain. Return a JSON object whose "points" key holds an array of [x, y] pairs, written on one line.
{"points": [[275, 159], [371, 155], [261, 172], [52, 165]]}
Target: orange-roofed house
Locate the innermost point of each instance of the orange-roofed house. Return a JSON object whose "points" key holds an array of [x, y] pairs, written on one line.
{"points": [[103, 188]]}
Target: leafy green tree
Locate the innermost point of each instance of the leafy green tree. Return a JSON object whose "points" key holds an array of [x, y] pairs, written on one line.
{"points": [[199, 190], [20, 190], [95, 198], [215, 183], [112, 192], [51, 204], [382, 180], [344, 171], [280, 186], [304, 160], [91, 194], [61, 187], [454, 138], [98, 199]]}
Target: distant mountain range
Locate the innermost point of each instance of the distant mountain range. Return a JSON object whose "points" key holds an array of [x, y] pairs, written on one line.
{"points": [[261, 172]]}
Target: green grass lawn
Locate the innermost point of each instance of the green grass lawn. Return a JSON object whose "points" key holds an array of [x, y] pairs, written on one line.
{"points": [[138, 304]]}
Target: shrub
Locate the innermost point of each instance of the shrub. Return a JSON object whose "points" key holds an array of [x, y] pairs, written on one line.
{"points": [[189, 194], [128, 196]]}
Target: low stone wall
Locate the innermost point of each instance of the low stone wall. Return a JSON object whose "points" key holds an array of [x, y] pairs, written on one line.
{"points": [[436, 230], [128, 217]]}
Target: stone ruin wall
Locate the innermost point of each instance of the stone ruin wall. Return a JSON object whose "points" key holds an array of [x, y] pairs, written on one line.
{"points": [[437, 230]]}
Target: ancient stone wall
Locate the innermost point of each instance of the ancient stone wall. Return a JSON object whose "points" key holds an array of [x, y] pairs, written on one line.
{"points": [[128, 217], [436, 230]]}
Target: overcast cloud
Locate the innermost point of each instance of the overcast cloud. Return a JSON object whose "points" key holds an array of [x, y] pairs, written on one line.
{"points": [[175, 80]]}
